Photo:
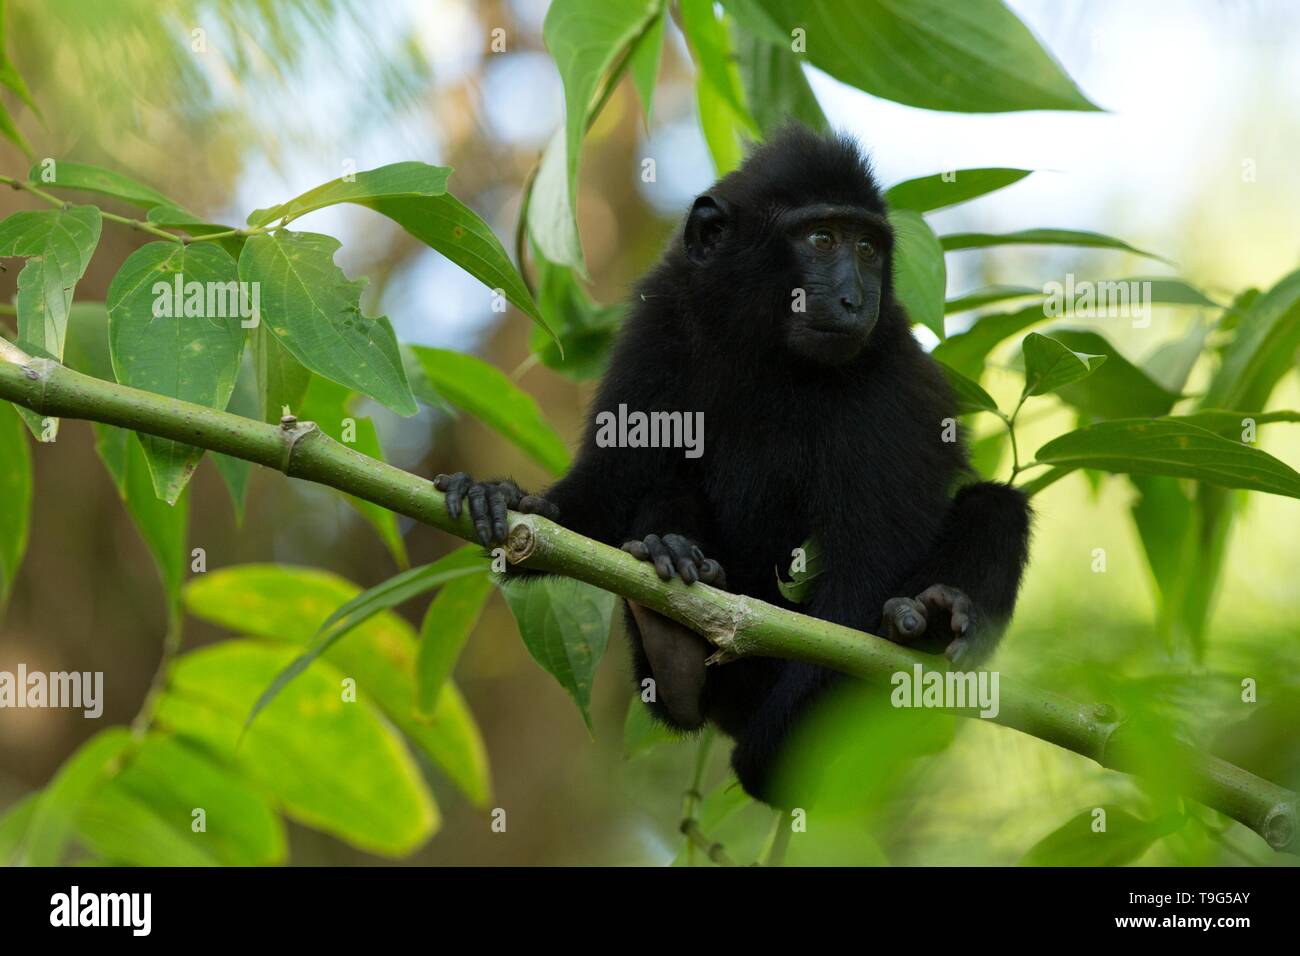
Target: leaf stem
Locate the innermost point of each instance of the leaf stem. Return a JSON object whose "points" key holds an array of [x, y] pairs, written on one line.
{"points": [[137, 224]]}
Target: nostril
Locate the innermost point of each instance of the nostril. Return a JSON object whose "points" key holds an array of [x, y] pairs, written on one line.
{"points": [[850, 305]]}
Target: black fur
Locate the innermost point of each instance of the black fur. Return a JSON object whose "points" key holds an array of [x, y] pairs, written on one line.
{"points": [[851, 454]]}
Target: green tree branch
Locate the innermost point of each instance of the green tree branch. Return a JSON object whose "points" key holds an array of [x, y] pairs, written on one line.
{"points": [[738, 625]]}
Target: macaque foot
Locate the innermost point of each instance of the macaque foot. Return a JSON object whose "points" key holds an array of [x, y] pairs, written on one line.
{"points": [[674, 554], [940, 601], [904, 620], [488, 503]]}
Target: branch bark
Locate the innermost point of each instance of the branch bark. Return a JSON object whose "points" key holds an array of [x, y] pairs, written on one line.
{"points": [[738, 625]]}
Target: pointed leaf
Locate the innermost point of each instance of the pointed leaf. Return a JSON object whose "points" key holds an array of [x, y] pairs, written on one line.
{"points": [[446, 628], [971, 396], [919, 271], [1049, 364], [1174, 448], [171, 778], [314, 311], [1075, 843], [1039, 237], [68, 175], [485, 392], [193, 356], [565, 626], [1119, 389], [55, 817], [332, 763], [446, 224], [328, 405], [971, 57], [399, 180], [290, 604], [948, 189], [585, 37], [396, 590], [16, 495]]}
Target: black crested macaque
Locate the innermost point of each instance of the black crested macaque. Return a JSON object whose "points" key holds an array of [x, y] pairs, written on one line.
{"points": [[773, 314]]}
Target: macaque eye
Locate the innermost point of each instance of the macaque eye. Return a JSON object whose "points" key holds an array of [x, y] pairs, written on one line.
{"points": [[866, 249], [821, 240]]}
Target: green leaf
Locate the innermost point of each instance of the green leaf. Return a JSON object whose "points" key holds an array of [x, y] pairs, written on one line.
{"points": [[919, 271], [971, 397], [387, 594], [446, 628], [967, 350], [585, 37], [193, 356], [410, 180], [290, 604], [314, 311], [1166, 523], [565, 626], [1039, 237], [1119, 389], [16, 493], [58, 245], [9, 74], [803, 583], [172, 778], [643, 64], [948, 189], [584, 328], [987, 296], [93, 179], [641, 732], [13, 827], [117, 826], [332, 764], [1231, 424], [724, 118], [1174, 448], [1075, 843], [969, 57], [485, 392], [1172, 362], [774, 84], [446, 224], [235, 472], [327, 404], [723, 131], [55, 817], [11, 132], [552, 225], [163, 527], [281, 379], [1049, 364], [1262, 350]]}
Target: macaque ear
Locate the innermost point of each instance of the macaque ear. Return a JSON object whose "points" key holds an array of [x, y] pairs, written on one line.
{"points": [[705, 227]]}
